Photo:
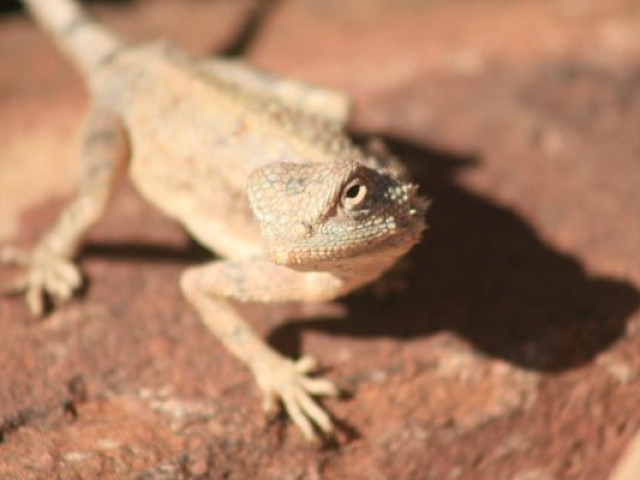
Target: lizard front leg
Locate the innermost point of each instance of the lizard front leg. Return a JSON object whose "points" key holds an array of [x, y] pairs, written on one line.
{"points": [[214, 290], [49, 268]]}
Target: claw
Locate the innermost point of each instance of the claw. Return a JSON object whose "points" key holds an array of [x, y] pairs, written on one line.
{"points": [[298, 417], [307, 364], [45, 274], [320, 387], [34, 299], [269, 403], [58, 288], [69, 273], [289, 382], [314, 412]]}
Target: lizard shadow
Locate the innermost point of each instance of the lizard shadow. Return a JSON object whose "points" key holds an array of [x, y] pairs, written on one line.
{"points": [[132, 252], [482, 272]]}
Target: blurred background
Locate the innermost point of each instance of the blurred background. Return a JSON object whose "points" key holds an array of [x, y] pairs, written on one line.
{"points": [[512, 350]]}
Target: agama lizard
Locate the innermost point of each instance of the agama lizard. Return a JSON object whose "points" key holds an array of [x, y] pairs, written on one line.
{"points": [[255, 167]]}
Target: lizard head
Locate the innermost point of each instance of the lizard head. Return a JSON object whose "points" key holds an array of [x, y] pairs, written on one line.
{"points": [[315, 216]]}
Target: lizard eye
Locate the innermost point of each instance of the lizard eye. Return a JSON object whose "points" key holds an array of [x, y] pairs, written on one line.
{"points": [[354, 193]]}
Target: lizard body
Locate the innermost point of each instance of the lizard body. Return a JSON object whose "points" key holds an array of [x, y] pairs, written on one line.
{"points": [[256, 168]]}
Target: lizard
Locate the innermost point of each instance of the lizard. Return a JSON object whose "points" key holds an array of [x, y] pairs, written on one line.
{"points": [[255, 167]]}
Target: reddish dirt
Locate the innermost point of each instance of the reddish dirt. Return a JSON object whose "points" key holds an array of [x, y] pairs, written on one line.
{"points": [[513, 353]]}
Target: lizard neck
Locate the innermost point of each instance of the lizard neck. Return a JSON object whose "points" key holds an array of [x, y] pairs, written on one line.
{"points": [[356, 272]]}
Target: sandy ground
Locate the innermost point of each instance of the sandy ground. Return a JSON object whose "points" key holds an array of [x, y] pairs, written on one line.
{"points": [[512, 353]]}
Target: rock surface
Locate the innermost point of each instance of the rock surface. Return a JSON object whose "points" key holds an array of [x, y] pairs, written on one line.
{"points": [[512, 353]]}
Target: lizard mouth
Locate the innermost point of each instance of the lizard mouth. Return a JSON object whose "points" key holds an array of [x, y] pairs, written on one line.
{"points": [[329, 246]]}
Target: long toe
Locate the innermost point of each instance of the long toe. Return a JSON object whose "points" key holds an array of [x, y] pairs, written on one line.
{"points": [[313, 411], [320, 387], [298, 417], [34, 298], [289, 381]]}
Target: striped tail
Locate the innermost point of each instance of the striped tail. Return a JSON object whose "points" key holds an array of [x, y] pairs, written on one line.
{"points": [[84, 42]]}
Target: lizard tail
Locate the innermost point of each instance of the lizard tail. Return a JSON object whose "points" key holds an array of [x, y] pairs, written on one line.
{"points": [[85, 43]]}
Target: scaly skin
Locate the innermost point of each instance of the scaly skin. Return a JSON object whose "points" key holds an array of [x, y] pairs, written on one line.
{"points": [[255, 167]]}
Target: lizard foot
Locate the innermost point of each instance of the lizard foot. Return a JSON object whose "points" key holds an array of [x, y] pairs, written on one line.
{"points": [[45, 273], [290, 382]]}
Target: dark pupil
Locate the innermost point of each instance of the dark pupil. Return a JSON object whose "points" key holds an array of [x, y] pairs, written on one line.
{"points": [[353, 191]]}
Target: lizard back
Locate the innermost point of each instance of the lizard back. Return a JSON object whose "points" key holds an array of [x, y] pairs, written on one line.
{"points": [[196, 138]]}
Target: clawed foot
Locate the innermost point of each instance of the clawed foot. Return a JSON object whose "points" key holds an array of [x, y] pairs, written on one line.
{"points": [[44, 273], [289, 381]]}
